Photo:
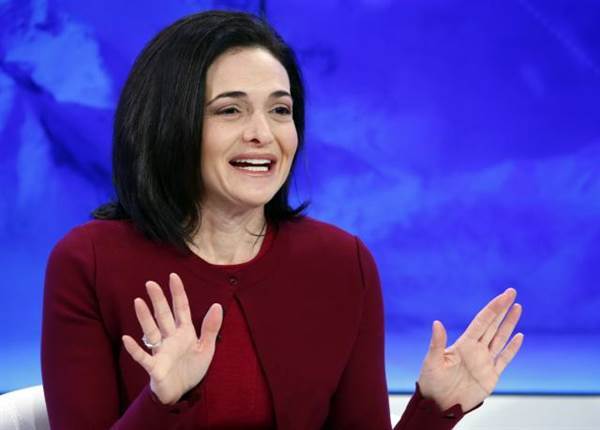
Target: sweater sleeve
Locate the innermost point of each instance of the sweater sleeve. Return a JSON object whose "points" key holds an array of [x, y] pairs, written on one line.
{"points": [[79, 368], [361, 400], [423, 413]]}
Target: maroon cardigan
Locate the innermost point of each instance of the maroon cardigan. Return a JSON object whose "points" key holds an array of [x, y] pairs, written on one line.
{"points": [[313, 307]]}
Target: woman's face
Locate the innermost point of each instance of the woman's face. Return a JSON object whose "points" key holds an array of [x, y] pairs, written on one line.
{"points": [[249, 138]]}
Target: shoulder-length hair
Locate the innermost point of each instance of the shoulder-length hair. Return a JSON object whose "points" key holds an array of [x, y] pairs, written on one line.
{"points": [[159, 119]]}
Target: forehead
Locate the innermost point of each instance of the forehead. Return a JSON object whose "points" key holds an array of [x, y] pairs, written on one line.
{"points": [[246, 69]]}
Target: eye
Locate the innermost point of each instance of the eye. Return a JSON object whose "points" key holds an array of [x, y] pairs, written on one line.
{"points": [[282, 110], [232, 110]]}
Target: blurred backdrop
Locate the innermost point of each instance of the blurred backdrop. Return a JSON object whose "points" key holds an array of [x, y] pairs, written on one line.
{"points": [[460, 140]]}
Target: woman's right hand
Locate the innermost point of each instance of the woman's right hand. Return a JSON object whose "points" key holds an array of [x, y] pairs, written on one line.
{"points": [[181, 360]]}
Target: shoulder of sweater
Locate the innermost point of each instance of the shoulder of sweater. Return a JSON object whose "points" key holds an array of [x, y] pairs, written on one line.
{"points": [[319, 243], [95, 229], [316, 229], [315, 237], [103, 234]]}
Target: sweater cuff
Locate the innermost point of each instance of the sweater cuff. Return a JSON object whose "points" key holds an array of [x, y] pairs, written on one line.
{"points": [[187, 401], [149, 413], [431, 407], [426, 414]]}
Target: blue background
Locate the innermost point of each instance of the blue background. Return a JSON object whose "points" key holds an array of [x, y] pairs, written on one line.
{"points": [[460, 140]]}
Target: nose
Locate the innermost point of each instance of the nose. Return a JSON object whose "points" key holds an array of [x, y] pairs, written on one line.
{"points": [[258, 130]]}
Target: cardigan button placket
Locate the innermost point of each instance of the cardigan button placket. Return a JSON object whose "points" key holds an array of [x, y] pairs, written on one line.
{"points": [[233, 280]]}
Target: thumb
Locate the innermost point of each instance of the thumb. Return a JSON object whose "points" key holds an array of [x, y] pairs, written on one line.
{"points": [[439, 338], [211, 324]]}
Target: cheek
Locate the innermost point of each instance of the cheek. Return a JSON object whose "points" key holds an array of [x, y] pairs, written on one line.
{"points": [[290, 143], [214, 144]]}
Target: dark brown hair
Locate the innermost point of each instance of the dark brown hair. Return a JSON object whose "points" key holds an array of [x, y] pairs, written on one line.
{"points": [[158, 124]]}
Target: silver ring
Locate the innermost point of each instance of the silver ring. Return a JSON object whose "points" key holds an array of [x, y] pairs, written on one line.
{"points": [[150, 344]]}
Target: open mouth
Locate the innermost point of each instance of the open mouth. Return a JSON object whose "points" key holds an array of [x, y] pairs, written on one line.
{"points": [[255, 165]]}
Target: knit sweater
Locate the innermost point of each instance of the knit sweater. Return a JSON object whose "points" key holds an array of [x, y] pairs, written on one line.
{"points": [[308, 310]]}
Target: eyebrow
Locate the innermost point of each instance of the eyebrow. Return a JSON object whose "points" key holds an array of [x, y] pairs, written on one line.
{"points": [[241, 94]]}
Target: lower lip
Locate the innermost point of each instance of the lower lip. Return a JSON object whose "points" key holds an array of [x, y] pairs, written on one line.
{"points": [[255, 174]]}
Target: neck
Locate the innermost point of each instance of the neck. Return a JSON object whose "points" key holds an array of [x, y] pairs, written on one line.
{"points": [[224, 237]]}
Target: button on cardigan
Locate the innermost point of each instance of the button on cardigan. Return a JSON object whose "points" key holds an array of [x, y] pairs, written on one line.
{"points": [[234, 391], [313, 308]]}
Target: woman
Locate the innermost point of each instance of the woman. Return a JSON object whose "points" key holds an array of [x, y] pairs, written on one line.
{"points": [[288, 309]]}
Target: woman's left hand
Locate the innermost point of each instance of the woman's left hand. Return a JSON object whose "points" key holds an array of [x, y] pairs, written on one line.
{"points": [[467, 372]]}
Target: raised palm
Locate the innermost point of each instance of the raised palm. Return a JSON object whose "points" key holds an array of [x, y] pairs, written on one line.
{"points": [[468, 371], [182, 359]]}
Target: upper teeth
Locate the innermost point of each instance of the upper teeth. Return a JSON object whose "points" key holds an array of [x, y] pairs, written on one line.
{"points": [[253, 161]]}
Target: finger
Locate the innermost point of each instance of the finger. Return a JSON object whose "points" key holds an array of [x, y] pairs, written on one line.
{"points": [[181, 305], [485, 318], [506, 329], [509, 353], [510, 296], [493, 328], [437, 346], [162, 310], [146, 320], [211, 324], [137, 353]]}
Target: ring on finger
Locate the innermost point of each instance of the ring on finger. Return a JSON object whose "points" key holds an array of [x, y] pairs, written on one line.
{"points": [[149, 344]]}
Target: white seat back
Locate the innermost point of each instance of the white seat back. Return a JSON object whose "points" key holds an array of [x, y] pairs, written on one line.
{"points": [[24, 409]]}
